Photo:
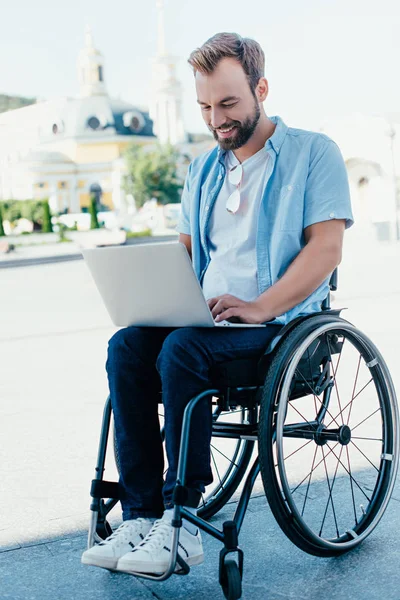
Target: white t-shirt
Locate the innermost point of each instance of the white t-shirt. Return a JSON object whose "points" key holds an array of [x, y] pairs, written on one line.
{"points": [[232, 237]]}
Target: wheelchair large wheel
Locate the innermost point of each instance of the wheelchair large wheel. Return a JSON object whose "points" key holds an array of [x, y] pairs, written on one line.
{"points": [[328, 436], [229, 460]]}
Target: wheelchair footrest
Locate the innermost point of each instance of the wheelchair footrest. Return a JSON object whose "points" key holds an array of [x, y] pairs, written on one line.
{"points": [[184, 567], [104, 489]]}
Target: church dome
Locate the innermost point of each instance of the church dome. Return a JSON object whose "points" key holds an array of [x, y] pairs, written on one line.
{"points": [[130, 120], [48, 157], [98, 117]]}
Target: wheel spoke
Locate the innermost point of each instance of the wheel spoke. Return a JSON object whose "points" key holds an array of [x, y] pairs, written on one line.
{"points": [[224, 455], [316, 466], [294, 452], [302, 416], [371, 463], [363, 421], [353, 437], [330, 498], [316, 397], [334, 378], [344, 408], [329, 413], [309, 480], [354, 389], [216, 468], [311, 378], [352, 489], [340, 356], [351, 476]]}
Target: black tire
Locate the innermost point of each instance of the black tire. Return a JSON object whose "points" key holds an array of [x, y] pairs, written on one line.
{"points": [[231, 581], [274, 432], [229, 478]]}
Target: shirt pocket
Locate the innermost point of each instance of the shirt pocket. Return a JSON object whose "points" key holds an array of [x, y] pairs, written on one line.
{"points": [[289, 206]]}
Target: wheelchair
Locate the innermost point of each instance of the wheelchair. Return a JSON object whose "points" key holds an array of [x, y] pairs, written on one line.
{"points": [[321, 405]]}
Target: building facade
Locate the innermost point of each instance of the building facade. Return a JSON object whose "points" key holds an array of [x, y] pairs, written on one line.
{"points": [[69, 148]]}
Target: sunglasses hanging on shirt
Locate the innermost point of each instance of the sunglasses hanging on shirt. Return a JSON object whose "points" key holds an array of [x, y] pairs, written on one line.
{"points": [[235, 178]]}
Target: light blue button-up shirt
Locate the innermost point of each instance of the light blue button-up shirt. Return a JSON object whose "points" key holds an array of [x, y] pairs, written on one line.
{"points": [[306, 182]]}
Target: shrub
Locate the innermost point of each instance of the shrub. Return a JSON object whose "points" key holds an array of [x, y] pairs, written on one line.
{"points": [[144, 233], [47, 226], [1, 221], [94, 223]]}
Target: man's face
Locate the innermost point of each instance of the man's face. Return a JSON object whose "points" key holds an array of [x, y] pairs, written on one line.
{"points": [[229, 108]]}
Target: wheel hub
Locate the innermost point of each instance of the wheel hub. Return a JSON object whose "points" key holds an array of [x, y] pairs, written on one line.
{"points": [[341, 435]]}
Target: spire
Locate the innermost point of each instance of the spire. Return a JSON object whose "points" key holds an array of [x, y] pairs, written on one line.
{"points": [[88, 37], [161, 28], [166, 105], [91, 68]]}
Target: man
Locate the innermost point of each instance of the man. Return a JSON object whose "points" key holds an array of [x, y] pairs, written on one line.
{"points": [[263, 217]]}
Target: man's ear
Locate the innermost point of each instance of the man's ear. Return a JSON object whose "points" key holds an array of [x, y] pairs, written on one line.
{"points": [[262, 89]]}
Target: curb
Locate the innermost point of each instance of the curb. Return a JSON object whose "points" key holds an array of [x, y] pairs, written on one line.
{"points": [[42, 260]]}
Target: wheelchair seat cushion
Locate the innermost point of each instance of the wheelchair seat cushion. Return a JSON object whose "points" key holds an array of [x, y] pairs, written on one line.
{"points": [[239, 372]]}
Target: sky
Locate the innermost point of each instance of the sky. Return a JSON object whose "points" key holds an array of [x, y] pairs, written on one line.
{"points": [[324, 58]]}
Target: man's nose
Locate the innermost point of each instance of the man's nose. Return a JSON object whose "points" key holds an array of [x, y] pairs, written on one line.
{"points": [[217, 118]]}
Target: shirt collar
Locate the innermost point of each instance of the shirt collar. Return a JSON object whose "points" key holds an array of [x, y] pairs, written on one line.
{"points": [[275, 141], [278, 137]]}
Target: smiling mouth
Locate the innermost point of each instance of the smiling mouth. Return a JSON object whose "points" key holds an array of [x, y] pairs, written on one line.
{"points": [[225, 132]]}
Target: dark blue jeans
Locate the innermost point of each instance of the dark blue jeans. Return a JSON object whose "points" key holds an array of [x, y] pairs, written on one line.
{"points": [[141, 363]]}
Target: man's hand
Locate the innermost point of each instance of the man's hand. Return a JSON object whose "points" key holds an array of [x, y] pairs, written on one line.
{"points": [[230, 308]]}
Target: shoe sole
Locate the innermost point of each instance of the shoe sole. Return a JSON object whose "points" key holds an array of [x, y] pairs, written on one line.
{"points": [[100, 561], [154, 567]]}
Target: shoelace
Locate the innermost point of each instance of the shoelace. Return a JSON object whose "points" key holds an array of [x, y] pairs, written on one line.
{"points": [[123, 534], [157, 536]]}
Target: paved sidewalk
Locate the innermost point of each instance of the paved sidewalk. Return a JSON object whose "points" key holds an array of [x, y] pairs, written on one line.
{"points": [[274, 568], [53, 339]]}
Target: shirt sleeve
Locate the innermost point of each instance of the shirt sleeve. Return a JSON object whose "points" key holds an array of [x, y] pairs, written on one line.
{"points": [[184, 219], [327, 194]]}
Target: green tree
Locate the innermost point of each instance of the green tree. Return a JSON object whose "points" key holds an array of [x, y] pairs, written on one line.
{"points": [[1, 221], [152, 173], [47, 226], [94, 223], [28, 209]]}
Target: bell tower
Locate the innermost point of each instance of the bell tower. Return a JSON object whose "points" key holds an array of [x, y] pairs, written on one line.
{"points": [[166, 104], [91, 69]]}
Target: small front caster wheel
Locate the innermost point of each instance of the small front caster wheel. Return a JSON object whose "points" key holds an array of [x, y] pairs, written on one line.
{"points": [[231, 580]]}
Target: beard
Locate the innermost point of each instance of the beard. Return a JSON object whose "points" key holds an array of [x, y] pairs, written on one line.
{"points": [[244, 131]]}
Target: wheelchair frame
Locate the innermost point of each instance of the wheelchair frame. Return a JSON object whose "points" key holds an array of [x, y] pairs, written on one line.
{"points": [[230, 571]]}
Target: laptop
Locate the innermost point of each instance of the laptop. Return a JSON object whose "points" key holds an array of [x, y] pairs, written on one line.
{"points": [[151, 285]]}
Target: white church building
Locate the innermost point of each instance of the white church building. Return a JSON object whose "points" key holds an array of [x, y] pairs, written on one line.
{"points": [[69, 148]]}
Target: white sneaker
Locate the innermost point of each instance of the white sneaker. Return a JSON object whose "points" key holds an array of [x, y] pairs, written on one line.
{"points": [[128, 535], [152, 555]]}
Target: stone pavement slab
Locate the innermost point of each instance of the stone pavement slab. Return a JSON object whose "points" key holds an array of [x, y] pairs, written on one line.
{"points": [[275, 569]]}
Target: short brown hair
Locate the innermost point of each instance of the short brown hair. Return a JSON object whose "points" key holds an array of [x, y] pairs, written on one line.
{"points": [[246, 51]]}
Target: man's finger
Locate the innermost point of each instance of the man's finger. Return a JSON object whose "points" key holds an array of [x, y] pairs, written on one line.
{"points": [[219, 307], [212, 301], [230, 313]]}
